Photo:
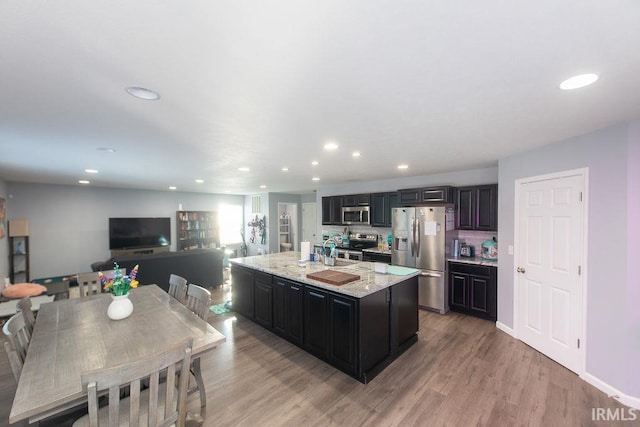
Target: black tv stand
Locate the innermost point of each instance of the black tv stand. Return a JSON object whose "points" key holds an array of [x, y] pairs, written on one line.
{"points": [[139, 251]]}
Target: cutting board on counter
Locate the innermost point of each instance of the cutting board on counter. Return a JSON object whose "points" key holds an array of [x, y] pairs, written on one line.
{"points": [[332, 277]]}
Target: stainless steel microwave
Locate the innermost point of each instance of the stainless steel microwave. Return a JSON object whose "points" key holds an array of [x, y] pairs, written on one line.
{"points": [[354, 215]]}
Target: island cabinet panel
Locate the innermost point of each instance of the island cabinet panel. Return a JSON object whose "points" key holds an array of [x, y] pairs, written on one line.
{"points": [[375, 344], [342, 321], [263, 299], [242, 290], [404, 313], [315, 321], [288, 302], [359, 336]]}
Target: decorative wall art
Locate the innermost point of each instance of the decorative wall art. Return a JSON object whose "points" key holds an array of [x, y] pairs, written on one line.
{"points": [[258, 226]]}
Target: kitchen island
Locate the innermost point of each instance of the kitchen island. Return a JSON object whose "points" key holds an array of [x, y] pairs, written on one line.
{"points": [[358, 327]]}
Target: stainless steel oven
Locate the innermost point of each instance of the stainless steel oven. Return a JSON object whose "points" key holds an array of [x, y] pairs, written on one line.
{"points": [[353, 215]]}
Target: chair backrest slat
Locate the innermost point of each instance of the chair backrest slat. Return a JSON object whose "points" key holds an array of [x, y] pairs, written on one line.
{"points": [[131, 374], [24, 306], [198, 300], [19, 336], [89, 283], [178, 287]]}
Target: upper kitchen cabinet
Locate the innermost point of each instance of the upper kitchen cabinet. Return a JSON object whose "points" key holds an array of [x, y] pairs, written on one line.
{"points": [[477, 208], [356, 200], [442, 194], [332, 210], [381, 205]]}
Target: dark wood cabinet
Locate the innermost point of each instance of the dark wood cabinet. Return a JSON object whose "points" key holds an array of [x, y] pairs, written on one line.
{"points": [[263, 299], [376, 257], [332, 210], [473, 290], [477, 208], [356, 200], [381, 205], [441, 194], [342, 333], [242, 295], [288, 304], [359, 336], [315, 321]]}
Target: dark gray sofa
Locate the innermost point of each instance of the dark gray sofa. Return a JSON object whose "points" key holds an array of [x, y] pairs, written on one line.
{"points": [[199, 266]]}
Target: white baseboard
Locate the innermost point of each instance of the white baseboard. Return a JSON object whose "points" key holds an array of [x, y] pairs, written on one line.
{"points": [[631, 401], [505, 328]]}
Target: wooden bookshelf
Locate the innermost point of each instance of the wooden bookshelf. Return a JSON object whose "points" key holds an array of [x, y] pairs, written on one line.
{"points": [[197, 229]]}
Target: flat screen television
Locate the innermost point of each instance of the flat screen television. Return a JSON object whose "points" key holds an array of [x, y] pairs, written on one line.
{"points": [[131, 233]]}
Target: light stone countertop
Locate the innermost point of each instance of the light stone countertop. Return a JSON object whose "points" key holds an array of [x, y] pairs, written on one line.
{"points": [[477, 260], [285, 264], [377, 251]]}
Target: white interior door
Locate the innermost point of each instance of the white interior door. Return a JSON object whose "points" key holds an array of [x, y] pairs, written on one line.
{"points": [[549, 244], [309, 223]]}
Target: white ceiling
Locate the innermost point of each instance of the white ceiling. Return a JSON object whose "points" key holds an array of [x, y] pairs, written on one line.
{"points": [[438, 85]]}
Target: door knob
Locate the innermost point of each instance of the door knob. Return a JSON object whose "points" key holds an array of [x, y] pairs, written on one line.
{"points": [[520, 270]]}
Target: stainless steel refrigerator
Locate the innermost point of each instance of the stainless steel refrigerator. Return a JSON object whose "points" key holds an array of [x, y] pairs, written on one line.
{"points": [[421, 236]]}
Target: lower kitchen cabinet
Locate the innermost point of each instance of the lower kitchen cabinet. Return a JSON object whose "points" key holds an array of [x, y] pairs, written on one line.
{"points": [[473, 290], [242, 291], [288, 303], [342, 329], [359, 336], [315, 321], [263, 299]]}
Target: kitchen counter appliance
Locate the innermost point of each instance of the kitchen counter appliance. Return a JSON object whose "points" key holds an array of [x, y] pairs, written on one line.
{"points": [[420, 240], [355, 215]]}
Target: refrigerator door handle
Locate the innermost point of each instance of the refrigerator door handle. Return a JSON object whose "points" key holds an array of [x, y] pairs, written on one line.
{"points": [[425, 274], [418, 237], [413, 237]]}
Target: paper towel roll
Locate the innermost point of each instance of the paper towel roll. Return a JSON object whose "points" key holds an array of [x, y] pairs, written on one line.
{"points": [[305, 250]]}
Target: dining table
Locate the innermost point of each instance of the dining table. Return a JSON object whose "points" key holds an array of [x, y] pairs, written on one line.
{"points": [[75, 335]]}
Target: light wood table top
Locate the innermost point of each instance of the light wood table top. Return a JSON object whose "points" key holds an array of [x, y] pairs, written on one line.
{"points": [[75, 335]]}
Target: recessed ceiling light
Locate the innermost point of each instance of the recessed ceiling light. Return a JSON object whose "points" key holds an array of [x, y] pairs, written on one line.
{"points": [[199, 181], [142, 93], [315, 178], [83, 181], [355, 154], [403, 166], [244, 169], [577, 82], [330, 146], [91, 171], [107, 149], [285, 169], [314, 163], [172, 188], [263, 186]]}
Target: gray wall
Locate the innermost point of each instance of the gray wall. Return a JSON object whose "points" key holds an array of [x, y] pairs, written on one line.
{"points": [[608, 287], [633, 280], [68, 225]]}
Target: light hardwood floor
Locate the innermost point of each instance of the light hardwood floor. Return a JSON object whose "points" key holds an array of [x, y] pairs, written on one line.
{"points": [[461, 372]]}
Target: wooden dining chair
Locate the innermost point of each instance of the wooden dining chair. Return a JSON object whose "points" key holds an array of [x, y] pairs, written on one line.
{"points": [[24, 307], [198, 301], [19, 338], [165, 402], [178, 287], [89, 284]]}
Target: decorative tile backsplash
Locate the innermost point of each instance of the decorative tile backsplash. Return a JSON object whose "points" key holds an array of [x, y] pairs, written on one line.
{"points": [[475, 238]]}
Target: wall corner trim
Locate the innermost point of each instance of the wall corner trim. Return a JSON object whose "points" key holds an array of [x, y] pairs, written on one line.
{"points": [[631, 401], [505, 328]]}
